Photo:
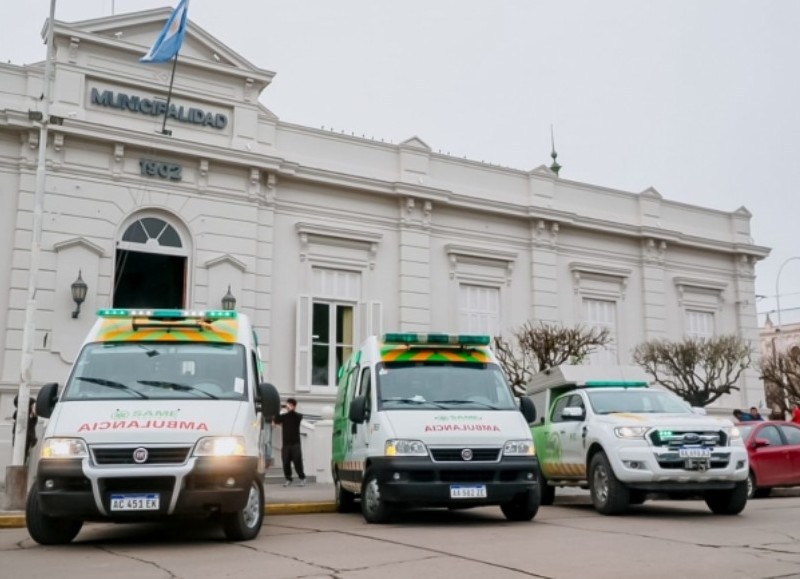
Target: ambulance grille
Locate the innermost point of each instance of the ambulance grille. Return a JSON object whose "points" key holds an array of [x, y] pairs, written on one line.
{"points": [[458, 454], [155, 455]]}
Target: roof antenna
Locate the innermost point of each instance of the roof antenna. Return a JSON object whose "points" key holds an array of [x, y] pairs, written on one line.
{"points": [[554, 167]]}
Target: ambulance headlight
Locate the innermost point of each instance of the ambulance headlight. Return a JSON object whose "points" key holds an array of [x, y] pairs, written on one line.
{"points": [[630, 431], [64, 448], [518, 448], [403, 447], [220, 446]]}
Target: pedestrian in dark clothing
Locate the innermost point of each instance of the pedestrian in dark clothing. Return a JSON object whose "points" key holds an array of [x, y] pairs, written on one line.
{"points": [[755, 414], [292, 451], [30, 439]]}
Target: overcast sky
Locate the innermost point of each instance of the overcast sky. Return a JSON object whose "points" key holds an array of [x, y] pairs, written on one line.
{"points": [[698, 99]]}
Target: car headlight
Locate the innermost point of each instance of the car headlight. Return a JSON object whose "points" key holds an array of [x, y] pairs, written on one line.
{"points": [[734, 433], [518, 448], [64, 448], [630, 431], [220, 446], [403, 447]]}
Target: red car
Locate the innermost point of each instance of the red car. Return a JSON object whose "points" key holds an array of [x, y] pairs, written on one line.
{"points": [[773, 447]]}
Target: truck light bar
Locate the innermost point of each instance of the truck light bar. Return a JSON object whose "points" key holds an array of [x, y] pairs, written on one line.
{"points": [[437, 339], [616, 384], [167, 314]]}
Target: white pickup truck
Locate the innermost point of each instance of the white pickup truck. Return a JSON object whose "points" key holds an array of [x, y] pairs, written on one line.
{"points": [[604, 428]]}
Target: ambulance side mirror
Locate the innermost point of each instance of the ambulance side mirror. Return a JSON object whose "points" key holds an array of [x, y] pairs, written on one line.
{"points": [[46, 400], [358, 409], [269, 400], [528, 409]]}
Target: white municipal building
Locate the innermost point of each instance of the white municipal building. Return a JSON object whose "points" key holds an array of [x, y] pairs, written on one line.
{"points": [[322, 238]]}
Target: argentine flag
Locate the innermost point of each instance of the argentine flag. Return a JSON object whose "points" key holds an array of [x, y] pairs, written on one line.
{"points": [[169, 41]]}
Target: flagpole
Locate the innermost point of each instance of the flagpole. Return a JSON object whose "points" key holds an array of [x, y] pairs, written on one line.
{"points": [[164, 130]]}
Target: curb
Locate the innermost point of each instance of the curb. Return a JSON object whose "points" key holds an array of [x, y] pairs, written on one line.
{"points": [[18, 521]]}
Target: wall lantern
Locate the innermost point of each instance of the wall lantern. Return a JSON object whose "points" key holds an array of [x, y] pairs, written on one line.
{"points": [[79, 289], [228, 300]]}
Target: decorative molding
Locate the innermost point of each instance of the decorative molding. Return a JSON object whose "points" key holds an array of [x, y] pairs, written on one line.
{"points": [[710, 288], [227, 258], [79, 242], [427, 209], [74, 43], [33, 139], [248, 89], [545, 233], [202, 175], [581, 269], [271, 191], [654, 250], [745, 265], [460, 253], [336, 235], [254, 184], [58, 150], [117, 163]]}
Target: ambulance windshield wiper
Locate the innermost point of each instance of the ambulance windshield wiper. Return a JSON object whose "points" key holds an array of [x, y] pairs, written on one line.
{"points": [[176, 386], [484, 404], [112, 384]]}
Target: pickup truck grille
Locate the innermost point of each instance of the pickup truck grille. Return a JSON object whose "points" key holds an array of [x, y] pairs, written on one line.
{"points": [[457, 454], [155, 455], [674, 439]]}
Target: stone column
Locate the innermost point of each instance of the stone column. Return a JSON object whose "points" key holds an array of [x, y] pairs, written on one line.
{"points": [[654, 306], [544, 271], [415, 268]]}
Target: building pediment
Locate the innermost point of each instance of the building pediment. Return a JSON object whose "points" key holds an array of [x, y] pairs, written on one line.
{"points": [[135, 33]]}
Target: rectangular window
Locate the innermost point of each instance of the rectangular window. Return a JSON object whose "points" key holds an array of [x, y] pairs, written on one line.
{"points": [[336, 294], [479, 309], [602, 314], [699, 324]]}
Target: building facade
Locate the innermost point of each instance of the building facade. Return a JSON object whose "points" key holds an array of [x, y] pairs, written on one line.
{"points": [[323, 238]]}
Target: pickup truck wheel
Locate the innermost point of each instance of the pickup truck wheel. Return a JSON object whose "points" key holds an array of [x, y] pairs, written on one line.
{"points": [[374, 508], [345, 500], [730, 502], [546, 492], [609, 495], [524, 506], [47, 530], [245, 525]]}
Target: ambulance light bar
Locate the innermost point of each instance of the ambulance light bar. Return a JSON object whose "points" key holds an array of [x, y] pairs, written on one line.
{"points": [[437, 339], [616, 384], [167, 314]]}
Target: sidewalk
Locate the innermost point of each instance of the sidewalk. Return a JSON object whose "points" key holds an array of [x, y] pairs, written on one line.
{"points": [[280, 500]]}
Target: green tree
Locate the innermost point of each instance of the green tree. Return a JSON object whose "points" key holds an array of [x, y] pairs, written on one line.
{"points": [[535, 346], [699, 370]]}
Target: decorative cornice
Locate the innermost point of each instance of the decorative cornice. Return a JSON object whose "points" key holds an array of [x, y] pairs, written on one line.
{"points": [[456, 253], [79, 242], [306, 231]]}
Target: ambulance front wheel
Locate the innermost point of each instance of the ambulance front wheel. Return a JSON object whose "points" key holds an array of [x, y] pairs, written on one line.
{"points": [[245, 524], [524, 506], [47, 530], [374, 508], [345, 500]]}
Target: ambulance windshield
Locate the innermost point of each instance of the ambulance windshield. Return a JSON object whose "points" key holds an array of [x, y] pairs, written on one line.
{"points": [[441, 385], [148, 370]]}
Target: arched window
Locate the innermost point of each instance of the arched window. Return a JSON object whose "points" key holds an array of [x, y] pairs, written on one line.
{"points": [[151, 269]]}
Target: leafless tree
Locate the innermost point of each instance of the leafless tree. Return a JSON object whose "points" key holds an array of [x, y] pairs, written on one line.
{"points": [[538, 345], [699, 370], [782, 372]]}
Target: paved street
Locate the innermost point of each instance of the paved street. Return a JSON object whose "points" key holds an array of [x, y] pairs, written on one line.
{"points": [[568, 540]]}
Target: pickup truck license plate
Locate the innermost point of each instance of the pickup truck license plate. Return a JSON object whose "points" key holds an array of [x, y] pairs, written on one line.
{"points": [[147, 502], [694, 452], [467, 491]]}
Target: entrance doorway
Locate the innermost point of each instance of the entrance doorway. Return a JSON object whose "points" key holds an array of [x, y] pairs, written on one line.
{"points": [[150, 266], [149, 280]]}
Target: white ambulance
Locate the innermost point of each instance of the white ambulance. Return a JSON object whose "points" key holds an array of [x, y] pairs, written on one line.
{"points": [[428, 420], [162, 416]]}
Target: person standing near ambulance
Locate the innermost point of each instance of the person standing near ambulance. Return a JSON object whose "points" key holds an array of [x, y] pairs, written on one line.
{"points": [[292, 451]]}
